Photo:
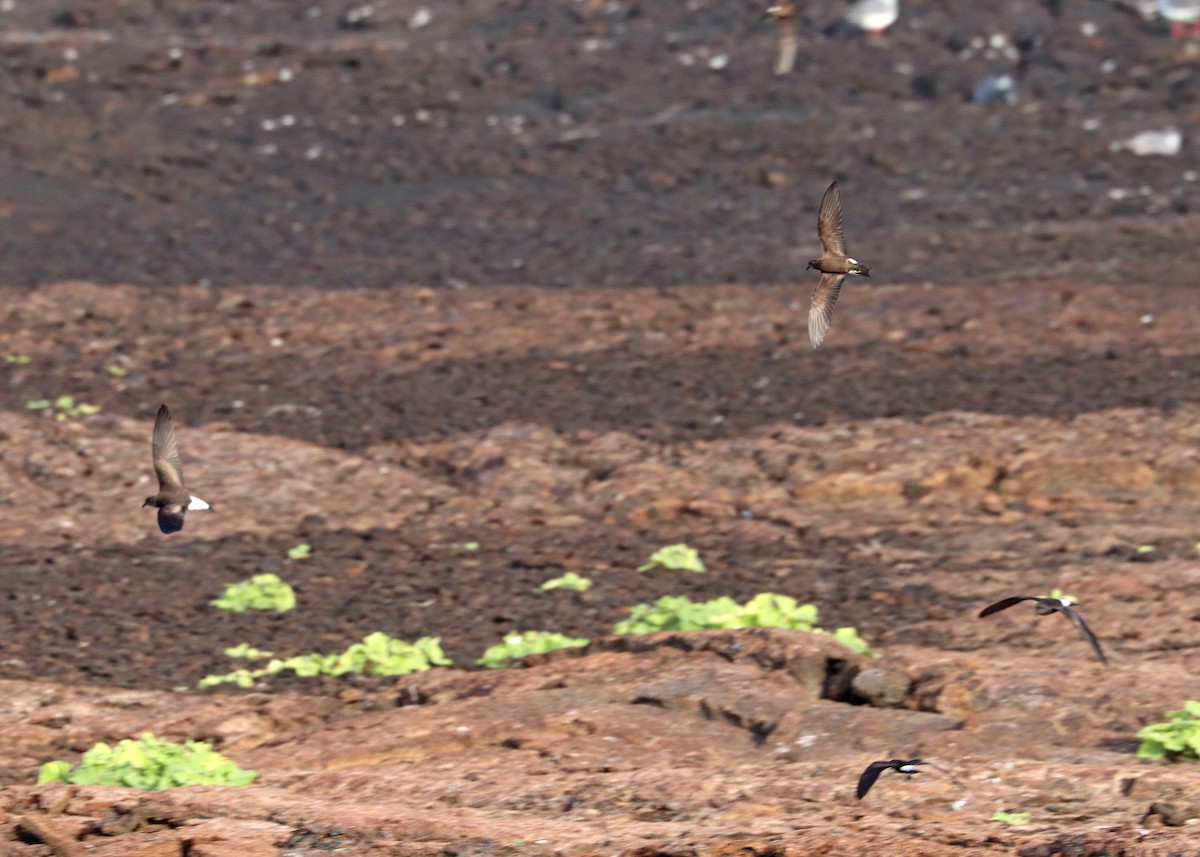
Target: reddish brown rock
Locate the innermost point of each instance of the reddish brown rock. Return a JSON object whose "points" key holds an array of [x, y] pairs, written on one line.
{"points": [[899, 487]]}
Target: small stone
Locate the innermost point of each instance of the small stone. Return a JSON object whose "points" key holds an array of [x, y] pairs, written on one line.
{"points": [[774, 178], [420, 18], [1169, 814], [882, 687], [1165, 142]]}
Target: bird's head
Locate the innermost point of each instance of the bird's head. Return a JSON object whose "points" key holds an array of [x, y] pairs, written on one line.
{"points": [[781, 11], [150, 501], [814, 263]]}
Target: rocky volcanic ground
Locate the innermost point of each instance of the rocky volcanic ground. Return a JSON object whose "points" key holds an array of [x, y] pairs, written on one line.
{"points": [[445, 452], [1008, 406]]}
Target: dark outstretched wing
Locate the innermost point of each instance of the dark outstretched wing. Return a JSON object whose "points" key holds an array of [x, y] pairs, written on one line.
{"points": [[829, 222], [170, 518], [165, 451], [869, 776], [1087, 632], [1004, 604], [820, 310]]}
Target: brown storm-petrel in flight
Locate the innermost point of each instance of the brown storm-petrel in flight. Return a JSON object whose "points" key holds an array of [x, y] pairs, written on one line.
{"points": [[1046, 606], [172, 498], [908, 767], [834, 265]]}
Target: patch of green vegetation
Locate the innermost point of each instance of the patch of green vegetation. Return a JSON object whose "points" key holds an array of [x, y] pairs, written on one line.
{"points": [[1015, 818], [300, 551], [570, 580], [678, 557], [247, 651], [848, 637], [241, 677], [377, 654], [149, 763], [1142, 550], [470, 546], [1178, 738], [261, 592], [520, 644], [63, 408], [116, 371], [18, 358], [765, 610]]}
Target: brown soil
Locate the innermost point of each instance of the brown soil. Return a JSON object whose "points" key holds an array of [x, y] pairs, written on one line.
{"points": [[952, 446], [584, 143], [1009, 406]]}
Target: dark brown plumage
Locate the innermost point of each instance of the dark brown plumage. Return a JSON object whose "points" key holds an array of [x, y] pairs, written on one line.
{"points": [[834, 265], [908, 767], [172, 499], [1046, 606]]}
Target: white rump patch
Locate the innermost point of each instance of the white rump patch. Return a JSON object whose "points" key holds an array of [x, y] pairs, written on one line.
{"points": [[197, 504], [851, 261]]}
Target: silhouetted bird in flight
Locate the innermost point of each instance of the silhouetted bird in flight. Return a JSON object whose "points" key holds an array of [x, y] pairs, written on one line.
{"points": [[172, 498], [908, 767], [1046, 606], [834, 265]]}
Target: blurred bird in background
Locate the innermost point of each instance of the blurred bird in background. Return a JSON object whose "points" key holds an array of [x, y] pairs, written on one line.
{"points": [[873, 16], [1184, 16], [784, 14]]}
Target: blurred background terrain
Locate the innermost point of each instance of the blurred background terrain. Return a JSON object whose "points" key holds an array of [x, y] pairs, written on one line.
{"points": [[334, 238], [553, 142]]}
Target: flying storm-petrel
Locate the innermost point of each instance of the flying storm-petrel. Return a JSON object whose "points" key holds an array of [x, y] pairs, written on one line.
{"points": [[834, 265], [908, 767], [172, 498], [1045, 606]]}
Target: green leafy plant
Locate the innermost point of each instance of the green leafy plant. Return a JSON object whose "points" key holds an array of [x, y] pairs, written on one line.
{"points": [[570, 580], [520, 644], [765, 610], [18, 358], [849, 638], [149, 763], [300, 551], [678, 557], [241, 677], [1014, 818], [116, 371], [247, 651], [1178, 738], [377, 654], [63, 408], [261, 592]]}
